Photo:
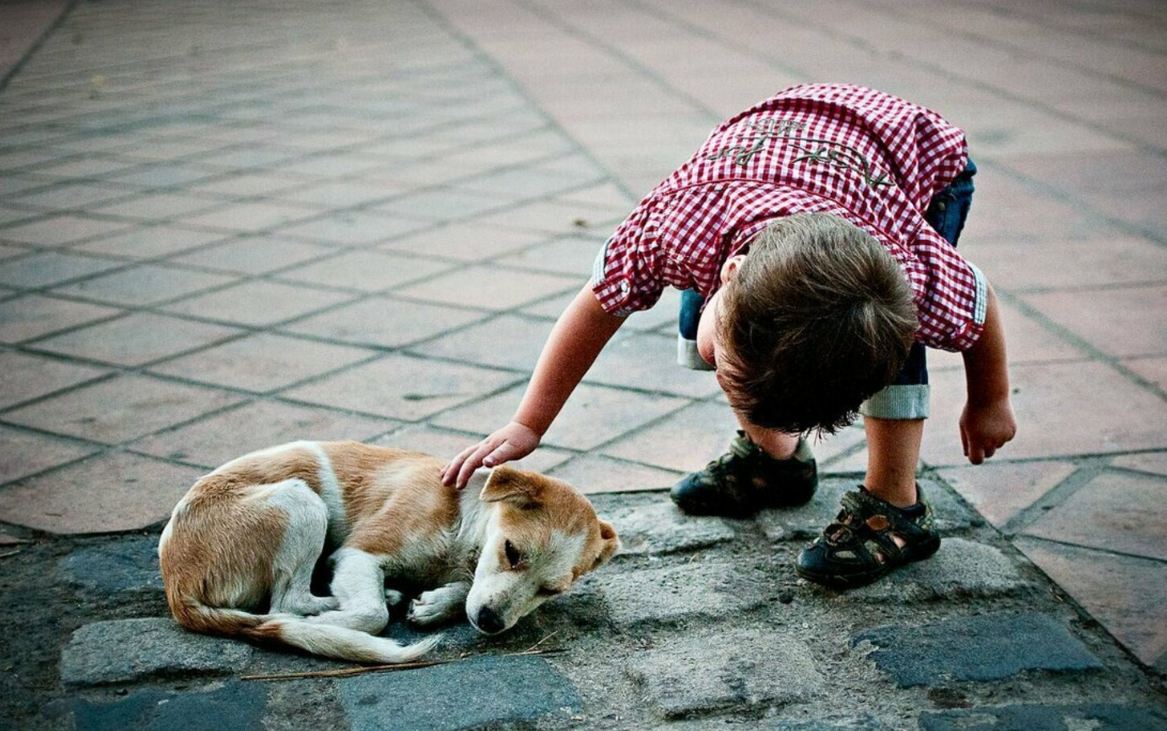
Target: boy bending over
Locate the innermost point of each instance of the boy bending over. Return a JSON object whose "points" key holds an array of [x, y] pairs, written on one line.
{"points": [[815, 237]]}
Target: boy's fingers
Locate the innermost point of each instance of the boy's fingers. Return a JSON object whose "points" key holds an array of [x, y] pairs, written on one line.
{"points": [[455, 465], [501, 454], [473, 462]]}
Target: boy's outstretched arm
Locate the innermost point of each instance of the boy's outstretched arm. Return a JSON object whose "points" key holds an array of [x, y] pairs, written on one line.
{"points": [[987, 422], [577, 338]]}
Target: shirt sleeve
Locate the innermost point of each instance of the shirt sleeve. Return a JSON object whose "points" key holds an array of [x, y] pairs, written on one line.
{"points": [[627, 276], [952, 307]]}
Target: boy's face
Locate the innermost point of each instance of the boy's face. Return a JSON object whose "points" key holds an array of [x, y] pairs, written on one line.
{"points": [[709, 326]]}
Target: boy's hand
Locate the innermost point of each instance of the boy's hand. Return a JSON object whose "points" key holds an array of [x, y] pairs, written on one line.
{"points": [[513, 441], [985, 428]]}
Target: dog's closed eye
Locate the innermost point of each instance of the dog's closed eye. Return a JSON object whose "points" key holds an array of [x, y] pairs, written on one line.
{"points": [[514, 558], [550, 590]]}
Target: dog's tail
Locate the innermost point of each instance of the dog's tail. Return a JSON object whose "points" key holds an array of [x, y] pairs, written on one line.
{"points": [[318, 638]]}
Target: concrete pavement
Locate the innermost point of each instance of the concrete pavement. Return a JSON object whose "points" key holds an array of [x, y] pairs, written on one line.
{"points": [[228, 225]]}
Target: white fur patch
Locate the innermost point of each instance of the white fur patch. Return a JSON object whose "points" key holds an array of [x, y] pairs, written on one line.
{"points": [[338, 525]]}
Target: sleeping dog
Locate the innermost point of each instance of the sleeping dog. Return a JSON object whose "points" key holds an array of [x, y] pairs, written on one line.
{"points": [[249, 534]]}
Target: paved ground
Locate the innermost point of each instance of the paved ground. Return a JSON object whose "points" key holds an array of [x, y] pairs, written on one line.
{"points": [[224, 225]]}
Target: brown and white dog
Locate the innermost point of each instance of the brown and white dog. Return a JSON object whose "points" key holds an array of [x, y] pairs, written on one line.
{"points": [[250, 533]]}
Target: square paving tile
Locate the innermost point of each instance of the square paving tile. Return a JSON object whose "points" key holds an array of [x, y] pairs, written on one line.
{"points": [[72, 196], [1000, 492], [595, 474], [402, 387], [464, 241], [354, 228], [262, 362], [1051, 403], [508, 341], [1123, 322], [24, 453], [253, 255], [31, 376], [1152, 369], [1124, 593], [156, 206], [1069, 262], [121, 408], [340, 193], [136, 339], [147, 242], [51, 267], [135, 492], [492, 288], [573, 255], [647, 361], [383, 322], [34, 315], [144, 284], [592, 416], [224, 436], [366, 271], [251, 184], [681, 442], [442, 205], [1114, 511], [258, 303], [59, 230], [550, 217], [249, 216]]}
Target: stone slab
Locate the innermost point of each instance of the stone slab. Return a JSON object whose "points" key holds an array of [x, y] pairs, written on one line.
{"points": [[961, 569], [1113, 717], [668, 595], [977, 648], [807, 521], [234, 705], [744, 667], [660, 528], [125, 566], [482, 692], [131, 650]]}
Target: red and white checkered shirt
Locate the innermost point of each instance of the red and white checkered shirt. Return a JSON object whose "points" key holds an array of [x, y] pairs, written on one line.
{"points": [[866, 156]]}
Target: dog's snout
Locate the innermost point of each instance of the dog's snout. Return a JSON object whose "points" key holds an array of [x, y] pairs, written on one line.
{"points": [[488, 621]]}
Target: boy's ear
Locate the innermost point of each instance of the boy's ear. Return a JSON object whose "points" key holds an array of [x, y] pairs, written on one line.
{"points": [[506, 483], [730, 267]]}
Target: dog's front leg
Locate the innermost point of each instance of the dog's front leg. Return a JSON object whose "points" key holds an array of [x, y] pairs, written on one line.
{"points": [[358, 583], [440, 604]]}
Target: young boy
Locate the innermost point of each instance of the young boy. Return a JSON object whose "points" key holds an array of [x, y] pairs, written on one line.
{"points": [[816, 233]]}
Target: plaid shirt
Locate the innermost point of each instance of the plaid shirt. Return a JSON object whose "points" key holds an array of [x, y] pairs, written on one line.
{"points": [[868, 157]]}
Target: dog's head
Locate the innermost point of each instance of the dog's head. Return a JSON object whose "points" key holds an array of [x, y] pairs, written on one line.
{"points": [[542, 535]]}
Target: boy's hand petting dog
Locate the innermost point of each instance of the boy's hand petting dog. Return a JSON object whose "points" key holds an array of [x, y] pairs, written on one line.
{"points": [[985, 428], [513, 441]]}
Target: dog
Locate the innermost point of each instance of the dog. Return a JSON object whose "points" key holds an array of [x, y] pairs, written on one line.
{"points": [[249, 534]]}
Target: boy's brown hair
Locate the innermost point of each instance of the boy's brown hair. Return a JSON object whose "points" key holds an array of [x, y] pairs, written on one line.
{"points": [[818, 318]]}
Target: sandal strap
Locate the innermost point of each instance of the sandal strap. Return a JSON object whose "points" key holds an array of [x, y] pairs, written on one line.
{"points": [[866, 526]]}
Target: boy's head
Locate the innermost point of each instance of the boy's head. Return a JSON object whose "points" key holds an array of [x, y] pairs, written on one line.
{"points": [[816, 318]]}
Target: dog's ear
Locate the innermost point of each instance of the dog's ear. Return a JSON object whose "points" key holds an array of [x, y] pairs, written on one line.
{"points": [[611, 543], [506, 483]]}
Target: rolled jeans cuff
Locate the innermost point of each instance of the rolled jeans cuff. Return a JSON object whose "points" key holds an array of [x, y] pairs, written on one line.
{"points": [[688, 356], [898, 402]]}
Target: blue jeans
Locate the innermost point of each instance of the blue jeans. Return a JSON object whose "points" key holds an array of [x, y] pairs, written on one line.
{"points": [[907, 396]]}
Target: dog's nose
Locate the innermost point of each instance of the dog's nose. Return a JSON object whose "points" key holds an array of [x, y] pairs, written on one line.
{"points": [[489, 622]]}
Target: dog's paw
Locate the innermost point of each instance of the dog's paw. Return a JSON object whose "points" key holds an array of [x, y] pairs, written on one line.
{"points": [[432, 607], [393, 597], [321, 604]]}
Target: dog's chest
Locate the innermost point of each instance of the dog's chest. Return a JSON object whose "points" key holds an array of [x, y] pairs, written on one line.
{"points": [[431, 561]]}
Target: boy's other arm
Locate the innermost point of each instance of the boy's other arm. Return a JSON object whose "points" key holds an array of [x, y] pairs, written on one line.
{"points": [[987, 421], [577, 338]]}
